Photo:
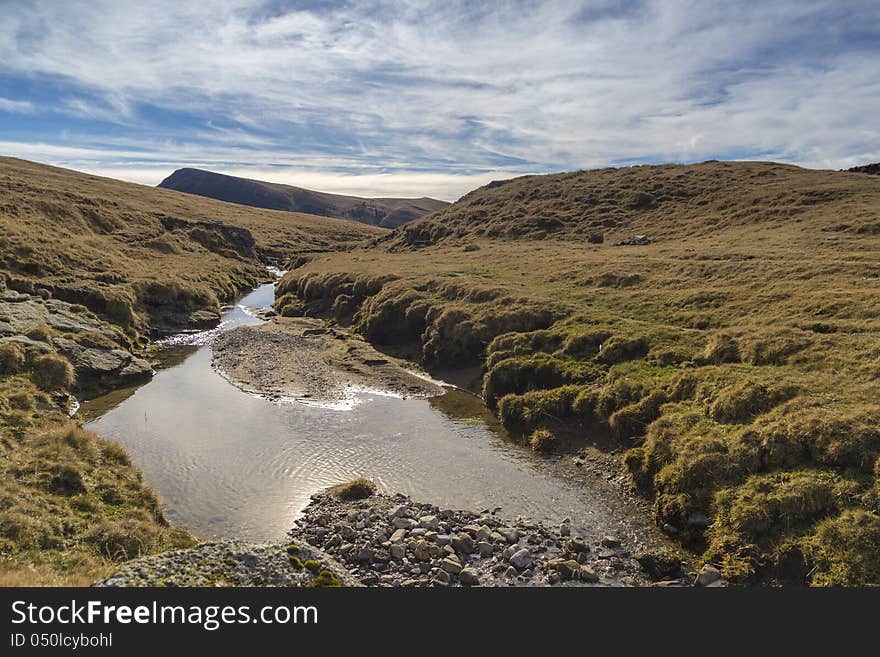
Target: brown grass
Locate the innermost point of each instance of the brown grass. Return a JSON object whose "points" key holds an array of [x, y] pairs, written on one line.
{"points": [[740, 346]]}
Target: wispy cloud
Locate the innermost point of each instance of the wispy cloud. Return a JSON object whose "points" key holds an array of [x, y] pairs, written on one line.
{"points": [[372, 92]]}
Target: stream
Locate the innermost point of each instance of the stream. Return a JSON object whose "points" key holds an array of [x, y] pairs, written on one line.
{"points": [[228, 464]]}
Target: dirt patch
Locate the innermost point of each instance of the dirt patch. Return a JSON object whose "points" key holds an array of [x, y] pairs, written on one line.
{"points": [[303, 359]]}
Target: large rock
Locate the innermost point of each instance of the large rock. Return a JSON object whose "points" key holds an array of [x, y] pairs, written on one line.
{"points": [[521, 560]]}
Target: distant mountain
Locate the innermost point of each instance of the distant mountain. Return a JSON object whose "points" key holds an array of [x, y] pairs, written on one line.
{"points": [[867, 168], [384, 212]]}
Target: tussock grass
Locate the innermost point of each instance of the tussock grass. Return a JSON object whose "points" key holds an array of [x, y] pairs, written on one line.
{"points": [[736, 356], [357, 489]]}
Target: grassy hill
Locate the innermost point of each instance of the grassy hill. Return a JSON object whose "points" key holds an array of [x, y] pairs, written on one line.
{"points": [[733, 356], [131, 253], [384, 212], [89, 268]]}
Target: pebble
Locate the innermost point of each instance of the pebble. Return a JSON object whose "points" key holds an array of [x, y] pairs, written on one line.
{"points": [[394, 541]]}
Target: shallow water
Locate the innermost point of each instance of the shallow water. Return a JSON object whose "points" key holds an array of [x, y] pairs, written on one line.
{"points": [[230, 464]]}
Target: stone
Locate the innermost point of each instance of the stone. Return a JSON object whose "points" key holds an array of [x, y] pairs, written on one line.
{"points": [[429, 522], [399, 511], [521, 560], [365, 554], [397, 551], [442, 539], [463, 543], [469, 577], [511, 572], [485, 549], [451, 565], [565, 530], [596, 238], [403, 523], [578, 545], [567, 569], [587, 574], [398, 536], [610, 542], [473, 530], [510, 534], [422, 551], [442, 578], [707, 575]]}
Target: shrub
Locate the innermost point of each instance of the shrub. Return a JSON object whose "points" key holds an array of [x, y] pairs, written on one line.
{"points": [[633, 420], [21, 400], [66, 479], [95, 340], [618, 349], [542, 440], [845, 551], [41, 333], [357, 489], [326, 579], [742, 401], [12, 359], [312, 566], [52, 372], [722, 348]]}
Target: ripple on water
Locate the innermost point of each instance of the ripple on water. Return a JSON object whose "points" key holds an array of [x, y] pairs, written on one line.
{"points": [[230, 464]]}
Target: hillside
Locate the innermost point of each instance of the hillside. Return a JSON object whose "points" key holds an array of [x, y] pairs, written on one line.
{"points": [[90, 268], [384, 212], [129, 252], [730, 360], [663, 202]]}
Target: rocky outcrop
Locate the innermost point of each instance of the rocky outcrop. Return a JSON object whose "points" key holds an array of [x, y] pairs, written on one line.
{"points": [[234, 563], [98, 351]]}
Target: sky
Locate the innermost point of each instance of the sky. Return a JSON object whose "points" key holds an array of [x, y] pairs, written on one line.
{"points": [[434, 98]]}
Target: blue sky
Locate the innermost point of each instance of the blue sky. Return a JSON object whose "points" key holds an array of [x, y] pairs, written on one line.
{"points": [[434, 98]]}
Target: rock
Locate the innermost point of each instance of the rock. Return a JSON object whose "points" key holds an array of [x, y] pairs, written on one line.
{"points": [[565, 529], [707, 575], [587, 574], [521, 559], [610, 542], [422, 551], [429, 522], [511, 572], [397, 551], [578, 545], [442, 539], [346, 531], [442, 578], [403, 523], [485, 549], [509, 534], [365, 555], [451, 565], [567, 569], [398, 536], [469, 577], [400, 511], [463, 543]]}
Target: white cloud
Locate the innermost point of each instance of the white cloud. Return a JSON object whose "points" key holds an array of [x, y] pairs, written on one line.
{"points": [[459, 87], [16, 106]]}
